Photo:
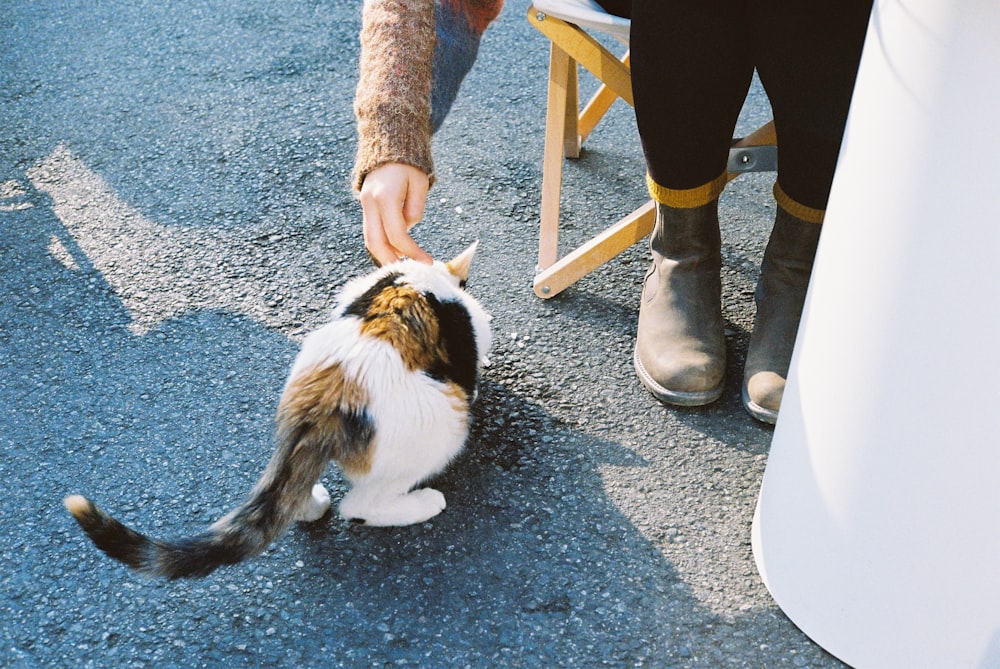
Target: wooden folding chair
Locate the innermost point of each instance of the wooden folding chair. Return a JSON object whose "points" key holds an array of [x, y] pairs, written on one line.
{"points": [[566, 23]]}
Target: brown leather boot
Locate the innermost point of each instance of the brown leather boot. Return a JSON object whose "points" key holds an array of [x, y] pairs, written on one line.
{"points": [[780, 294], [680, 348]]}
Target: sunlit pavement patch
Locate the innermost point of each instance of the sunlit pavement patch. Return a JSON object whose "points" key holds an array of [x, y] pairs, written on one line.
{"points": [[158, 271]]}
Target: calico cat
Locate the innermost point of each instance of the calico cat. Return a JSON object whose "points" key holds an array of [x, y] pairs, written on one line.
{"points": [[383, 389]]}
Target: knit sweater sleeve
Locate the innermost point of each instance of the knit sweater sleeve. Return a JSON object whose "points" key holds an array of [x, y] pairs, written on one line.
{"points": [[392, 102]]}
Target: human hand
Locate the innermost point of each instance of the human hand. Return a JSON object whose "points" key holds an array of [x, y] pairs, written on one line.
{"points": [[392, 201]]}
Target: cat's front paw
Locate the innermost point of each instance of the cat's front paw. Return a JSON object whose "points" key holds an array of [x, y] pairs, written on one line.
{"points": [[316, 507]]}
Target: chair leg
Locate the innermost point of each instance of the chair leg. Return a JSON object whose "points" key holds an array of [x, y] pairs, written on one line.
{"points": [[571, 133], [557, 109], [598, 106], [589, 256]]}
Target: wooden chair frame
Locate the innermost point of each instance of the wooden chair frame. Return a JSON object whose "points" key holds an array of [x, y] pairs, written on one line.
{"points": [[566, 128]]}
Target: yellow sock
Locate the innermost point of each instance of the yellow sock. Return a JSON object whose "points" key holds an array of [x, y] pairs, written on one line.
{"points": [[797, 209], [686, 198]]}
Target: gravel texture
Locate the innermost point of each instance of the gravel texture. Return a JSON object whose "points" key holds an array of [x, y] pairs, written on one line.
{"points": [[175, 215]]}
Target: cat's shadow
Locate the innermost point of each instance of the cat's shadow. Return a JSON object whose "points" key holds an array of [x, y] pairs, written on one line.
{"points": [[529, 536], [510, 439]]}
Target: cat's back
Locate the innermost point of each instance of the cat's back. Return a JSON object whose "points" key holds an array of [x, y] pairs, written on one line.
{"points": [[398, 323]]}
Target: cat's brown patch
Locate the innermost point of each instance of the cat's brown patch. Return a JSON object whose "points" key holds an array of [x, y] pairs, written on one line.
{"points": [[401, 316], [459, 401], [458, 396], [332, 407]]}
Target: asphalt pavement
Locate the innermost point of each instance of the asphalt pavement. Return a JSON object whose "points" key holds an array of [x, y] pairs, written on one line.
{"points": [[175, 215]]}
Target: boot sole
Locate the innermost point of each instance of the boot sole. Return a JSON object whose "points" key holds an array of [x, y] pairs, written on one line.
{"points": [[757, 411], [675, 397]]}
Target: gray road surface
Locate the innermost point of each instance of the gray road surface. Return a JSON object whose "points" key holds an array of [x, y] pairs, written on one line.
{"points": [[174, 215]]}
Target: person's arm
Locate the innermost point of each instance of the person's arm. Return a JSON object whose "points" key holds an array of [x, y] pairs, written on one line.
{"points": [[414, 56], [393, 168]]}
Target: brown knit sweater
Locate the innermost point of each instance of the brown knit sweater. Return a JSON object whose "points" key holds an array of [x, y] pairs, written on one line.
{"points": [[393, 98]]}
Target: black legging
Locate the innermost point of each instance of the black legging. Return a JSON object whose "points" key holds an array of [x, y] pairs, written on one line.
{"points": [[692, 65]]}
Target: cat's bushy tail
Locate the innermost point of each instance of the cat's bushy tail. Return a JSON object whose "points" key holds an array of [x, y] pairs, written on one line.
{"points": [[306, 441]]}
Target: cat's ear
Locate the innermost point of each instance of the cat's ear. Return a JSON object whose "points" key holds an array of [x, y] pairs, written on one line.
{"points": [[460, 264]]}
